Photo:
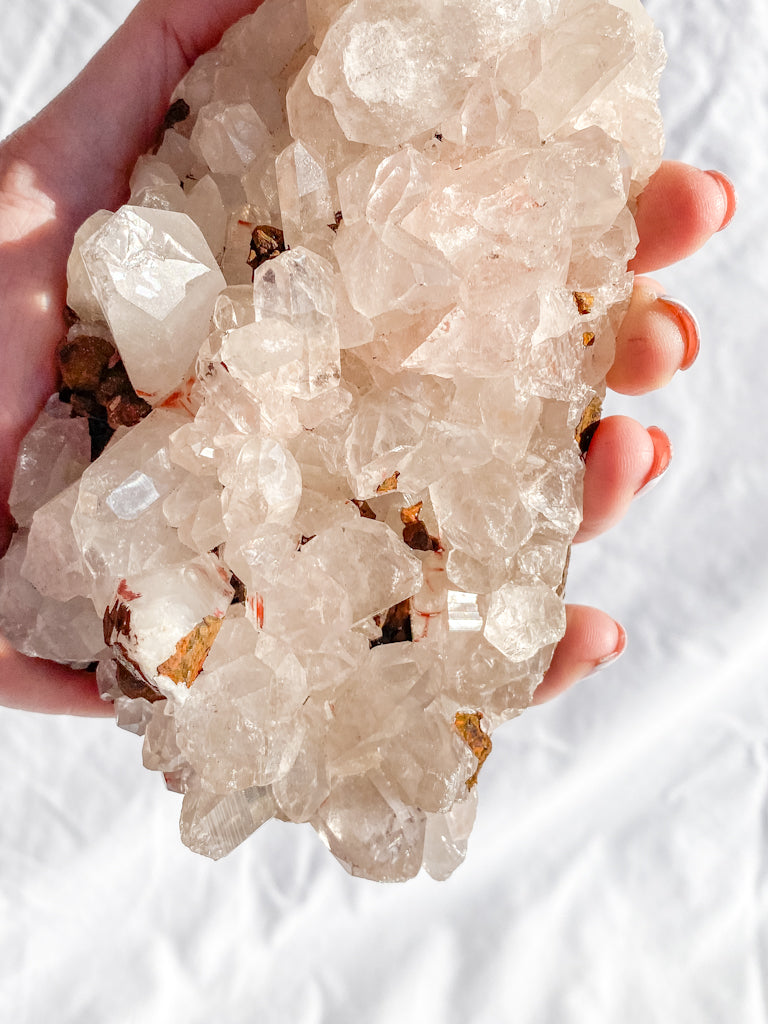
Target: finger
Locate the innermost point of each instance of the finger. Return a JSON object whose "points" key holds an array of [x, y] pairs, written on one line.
{"points": [[680, 208], [624, 458], [31, 684], [592, 641], [658, 337]]}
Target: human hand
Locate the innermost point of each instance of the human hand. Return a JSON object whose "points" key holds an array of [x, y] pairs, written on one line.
{"points": [[680, 209], [76, 156]]}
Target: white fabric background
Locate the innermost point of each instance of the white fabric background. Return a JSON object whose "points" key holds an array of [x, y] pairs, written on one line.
{"points": [[617, 872]]}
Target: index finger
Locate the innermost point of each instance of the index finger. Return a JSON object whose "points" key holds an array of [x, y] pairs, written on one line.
{"points": [[678, 211]]}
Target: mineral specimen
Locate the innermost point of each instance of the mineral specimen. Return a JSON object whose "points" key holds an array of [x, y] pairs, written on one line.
{"points": [[351, 331]]}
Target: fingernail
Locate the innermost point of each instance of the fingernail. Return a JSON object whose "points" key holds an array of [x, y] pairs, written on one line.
{"points": [[689, 328], [662, 456], [615, 654], [731, 199]]}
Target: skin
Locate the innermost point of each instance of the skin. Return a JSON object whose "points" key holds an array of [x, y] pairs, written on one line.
{"points": [[75, 157]]}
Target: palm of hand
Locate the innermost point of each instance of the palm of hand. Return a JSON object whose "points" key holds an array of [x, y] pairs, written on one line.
{"points": [[75, 158]]}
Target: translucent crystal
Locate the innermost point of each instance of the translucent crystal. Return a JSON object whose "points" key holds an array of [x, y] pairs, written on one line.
{"points": [[388, 71], [214, 824], [54, 561], [521, 619], [80, 294], [118, 520], [293, 337], [68, 631], [229, 138], [306, 199], [52, 455], [369, 562], [156, 282], [447, 836], [239, 725], [370, 281], [372, 833]]}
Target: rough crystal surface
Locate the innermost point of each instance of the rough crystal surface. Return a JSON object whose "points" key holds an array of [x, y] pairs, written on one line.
{"points": [[368, 285], [156, 281]]}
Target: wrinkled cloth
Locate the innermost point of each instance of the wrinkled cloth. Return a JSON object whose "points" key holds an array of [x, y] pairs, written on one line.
{"points": [[617, 871]]}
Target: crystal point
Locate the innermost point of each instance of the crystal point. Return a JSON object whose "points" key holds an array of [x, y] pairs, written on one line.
{"points": [[156, 282]]}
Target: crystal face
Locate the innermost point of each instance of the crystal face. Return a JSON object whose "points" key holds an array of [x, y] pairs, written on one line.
{"points": [[345, 347]]}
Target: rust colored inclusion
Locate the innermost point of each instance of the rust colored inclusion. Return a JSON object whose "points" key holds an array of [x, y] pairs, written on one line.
{"points": [[267, 242], [364, 509], [390, 484], [584, 302], [588, 424], [96, 385], [177, 112], [396, 627], [186, 662], [415, 533], [116, 622], [467, 725], [411, 513], [134, 686]]}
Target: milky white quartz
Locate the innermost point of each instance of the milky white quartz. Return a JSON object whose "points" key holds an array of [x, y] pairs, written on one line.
{"points": [[154, 276], [330, 560]]}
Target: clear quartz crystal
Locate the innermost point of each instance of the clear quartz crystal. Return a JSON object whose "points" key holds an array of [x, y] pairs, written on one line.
{"points": [[118, 520], [155, 280], [52, 455], [369, 281], [41, 626]]}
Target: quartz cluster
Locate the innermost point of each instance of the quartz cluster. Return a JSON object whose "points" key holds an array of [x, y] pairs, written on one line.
{"points": [[347, 343]]}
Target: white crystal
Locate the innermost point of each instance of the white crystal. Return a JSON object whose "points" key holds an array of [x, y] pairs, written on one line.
{"points": [[522, 619], [80, 295], [116, 547], [463, 613], [165, 607], [338, 548], [68, 631], [133, 496], [229, 138], [156, 282], [54, 560], [386, 68]]}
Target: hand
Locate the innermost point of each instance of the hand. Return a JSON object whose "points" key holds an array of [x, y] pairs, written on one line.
{"points": [[681, 208], [76, 156]]}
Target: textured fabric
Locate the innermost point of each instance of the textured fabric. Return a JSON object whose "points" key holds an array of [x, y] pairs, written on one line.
{"points": [[618, 868]]}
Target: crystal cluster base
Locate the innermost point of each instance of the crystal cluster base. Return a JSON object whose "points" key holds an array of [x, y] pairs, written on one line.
{"points": [[347, 342]]}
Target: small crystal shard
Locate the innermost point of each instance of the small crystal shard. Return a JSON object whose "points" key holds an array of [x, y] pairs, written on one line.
{"points": [[351, 334]]}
